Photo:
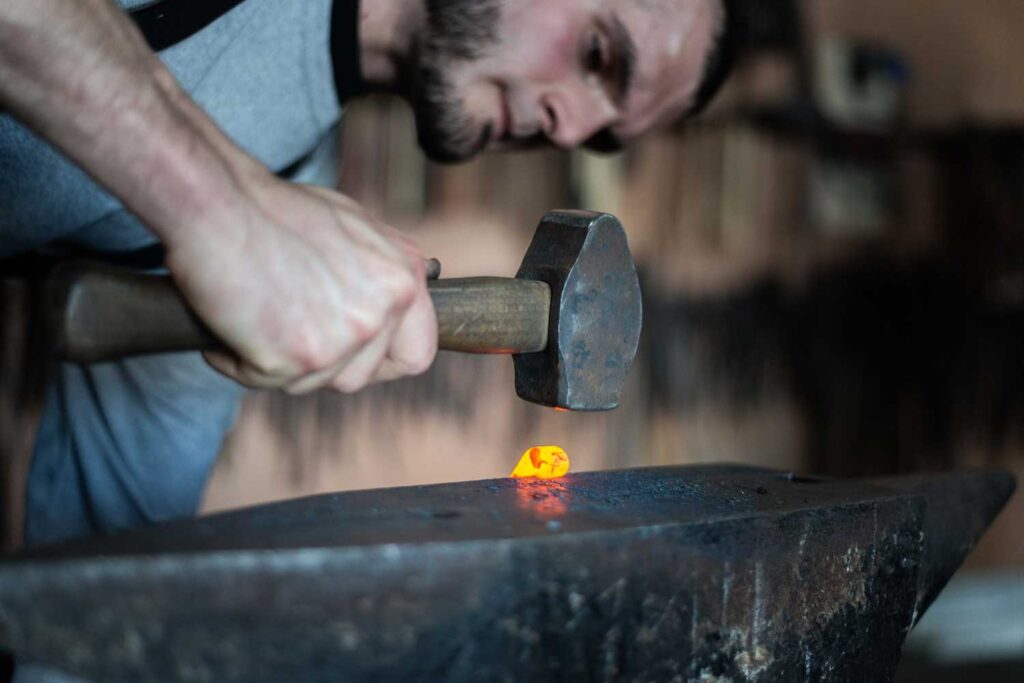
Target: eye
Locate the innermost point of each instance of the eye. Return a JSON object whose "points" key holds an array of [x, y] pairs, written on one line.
{"points": [[594, 53]]}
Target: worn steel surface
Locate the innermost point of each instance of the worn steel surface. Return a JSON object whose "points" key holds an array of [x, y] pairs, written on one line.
{"points": [[673, 574], [596, 312]]}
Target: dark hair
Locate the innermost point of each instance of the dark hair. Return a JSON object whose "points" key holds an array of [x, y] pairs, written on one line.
{"points": [[723, 57]]}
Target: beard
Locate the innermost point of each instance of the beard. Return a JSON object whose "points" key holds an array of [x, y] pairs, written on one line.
{"points": [[457, 32]]}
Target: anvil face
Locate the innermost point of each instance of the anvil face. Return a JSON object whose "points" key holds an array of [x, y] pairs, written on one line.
{"points": [[656, 574]]}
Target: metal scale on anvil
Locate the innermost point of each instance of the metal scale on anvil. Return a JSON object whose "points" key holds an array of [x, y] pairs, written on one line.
{"points": [[710, 573]]}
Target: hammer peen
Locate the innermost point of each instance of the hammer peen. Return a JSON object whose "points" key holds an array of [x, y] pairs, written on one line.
{"points": [[571, 317]]}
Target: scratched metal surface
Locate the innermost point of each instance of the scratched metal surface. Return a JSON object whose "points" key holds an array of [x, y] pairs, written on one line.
{"points": [[684, 573], [596, 312]]}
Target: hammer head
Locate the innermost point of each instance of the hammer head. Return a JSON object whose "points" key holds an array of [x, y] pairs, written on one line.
{"points": [[596, 312]]}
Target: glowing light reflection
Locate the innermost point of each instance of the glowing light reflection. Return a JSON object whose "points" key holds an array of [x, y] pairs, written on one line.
{"points": [[545, 498]]}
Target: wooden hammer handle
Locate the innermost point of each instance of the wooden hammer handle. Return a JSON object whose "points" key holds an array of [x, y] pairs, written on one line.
{"points": [[96, 313]]}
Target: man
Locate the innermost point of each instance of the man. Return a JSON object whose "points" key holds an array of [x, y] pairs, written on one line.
{"points": [[306, 289]]}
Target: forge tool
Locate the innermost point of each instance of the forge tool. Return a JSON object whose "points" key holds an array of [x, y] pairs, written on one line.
{"points": [[710, 573], [571, 316]]}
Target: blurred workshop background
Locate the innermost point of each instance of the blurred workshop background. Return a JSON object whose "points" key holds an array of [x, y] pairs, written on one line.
{"points": [[833, 271]]}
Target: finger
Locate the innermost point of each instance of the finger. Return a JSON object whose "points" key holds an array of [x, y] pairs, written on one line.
{"points": [[414, 345], [388, 371], [314, 380], [223, 362], [321, 378], [233, 367], [358, 372]]}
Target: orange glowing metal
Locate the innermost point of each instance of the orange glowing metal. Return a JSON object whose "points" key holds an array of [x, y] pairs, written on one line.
{"points": [[542, 462]]}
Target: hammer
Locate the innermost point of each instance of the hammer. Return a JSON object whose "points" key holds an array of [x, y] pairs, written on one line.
{"points": [[570, 318]]}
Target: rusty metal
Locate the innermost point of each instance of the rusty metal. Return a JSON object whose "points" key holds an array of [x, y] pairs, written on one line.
{"points": [[433, 269], [596, 312], [573, 313], [709, 573]]}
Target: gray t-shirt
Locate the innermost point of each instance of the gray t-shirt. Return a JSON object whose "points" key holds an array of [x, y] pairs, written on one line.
{"points": [[263, 71]]}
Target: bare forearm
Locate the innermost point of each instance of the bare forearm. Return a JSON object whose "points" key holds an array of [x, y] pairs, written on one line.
{"points": [[82, 76], [302, 284]]}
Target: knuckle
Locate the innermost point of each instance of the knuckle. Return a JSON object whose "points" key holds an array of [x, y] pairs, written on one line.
{"points": [[396, 290], [419, 268], [307, 351], [365, 328], [405, 286], [404, 292]]}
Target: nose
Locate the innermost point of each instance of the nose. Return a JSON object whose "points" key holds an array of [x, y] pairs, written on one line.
{"points": [[574, 113]]}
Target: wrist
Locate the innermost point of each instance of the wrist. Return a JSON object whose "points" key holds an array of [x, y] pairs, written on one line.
{"points": [[189, 187], [199, 180]]}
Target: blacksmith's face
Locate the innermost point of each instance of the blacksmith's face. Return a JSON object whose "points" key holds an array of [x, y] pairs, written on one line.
{"points": [[495, 74]]}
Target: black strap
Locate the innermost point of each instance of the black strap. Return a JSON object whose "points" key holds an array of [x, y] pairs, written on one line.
{"points": [[169, 22], [348, 72]]}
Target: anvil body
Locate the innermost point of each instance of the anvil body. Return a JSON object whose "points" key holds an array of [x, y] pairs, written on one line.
{"points": [[711, 573]]}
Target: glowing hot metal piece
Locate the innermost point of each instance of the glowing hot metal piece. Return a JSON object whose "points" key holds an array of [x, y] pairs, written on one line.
{"points": [[542, 462]]}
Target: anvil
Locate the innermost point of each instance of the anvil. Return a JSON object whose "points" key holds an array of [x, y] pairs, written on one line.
{"points": [[708, 573]]}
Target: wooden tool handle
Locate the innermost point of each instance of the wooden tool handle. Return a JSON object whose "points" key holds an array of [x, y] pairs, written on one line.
{"points": [[96, 313], [491, 314]]}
